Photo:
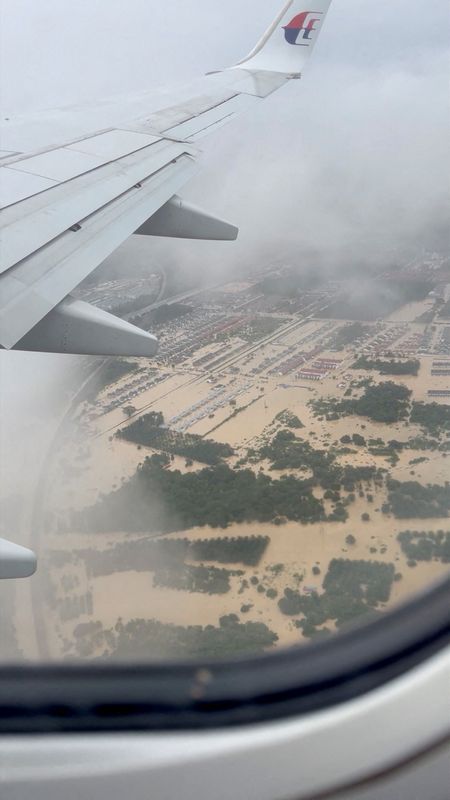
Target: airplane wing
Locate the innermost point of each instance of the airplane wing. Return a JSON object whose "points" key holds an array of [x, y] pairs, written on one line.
{"points": [[65, 208]]}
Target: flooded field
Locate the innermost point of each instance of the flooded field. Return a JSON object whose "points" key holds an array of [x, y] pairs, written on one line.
{"points": [[281, 391]]}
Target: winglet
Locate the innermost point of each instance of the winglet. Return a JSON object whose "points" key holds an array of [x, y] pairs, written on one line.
{"points": [[290, 39]]}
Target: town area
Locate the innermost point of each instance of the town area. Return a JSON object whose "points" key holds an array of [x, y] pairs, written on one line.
{"points": [[278, 472]]}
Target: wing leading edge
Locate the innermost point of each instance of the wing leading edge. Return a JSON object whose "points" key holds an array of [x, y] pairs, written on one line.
{"points": [[64, 209]]}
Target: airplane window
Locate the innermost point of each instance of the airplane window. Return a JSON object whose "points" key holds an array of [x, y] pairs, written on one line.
{"points": [[278, 472]]}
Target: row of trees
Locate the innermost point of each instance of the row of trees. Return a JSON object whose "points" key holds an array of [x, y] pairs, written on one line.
{"points": [[246, 550], [150, 640], [149, 431], [150, 555], [158, 500], [391, 367], [73, 606], [188, 578]]}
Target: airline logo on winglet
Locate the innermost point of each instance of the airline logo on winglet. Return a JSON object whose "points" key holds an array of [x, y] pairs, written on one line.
{"points": [[302, 27]]}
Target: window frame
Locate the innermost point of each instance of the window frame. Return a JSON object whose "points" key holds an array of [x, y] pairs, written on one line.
{"points": [[197, 696]]}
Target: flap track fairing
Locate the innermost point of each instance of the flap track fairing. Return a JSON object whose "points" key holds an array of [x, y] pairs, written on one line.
{"points": [[180, 220]]}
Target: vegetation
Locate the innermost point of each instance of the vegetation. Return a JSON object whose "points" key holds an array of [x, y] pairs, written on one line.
{"points": [[422, 443], [246, 550], [259, 327], [371, 580], [432, 416], [289, 419], [166, 313], [444, 313], [290, 285], [149, 320], [351, 589], [185, 577], [355, 439], [285, 451], [149, 431], [151, 555], [142, 639], [116, 369], [377, 299], [155, 499], [110, 373], [391, 367], [410, 500], [71, 606], [426, 545], [349, 334], [128, 306], [384, 402], [427, 317], [9, 646]]}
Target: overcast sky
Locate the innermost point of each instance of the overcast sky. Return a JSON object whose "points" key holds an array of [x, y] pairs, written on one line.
{"points": [[61, 52], [348, 164]]}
